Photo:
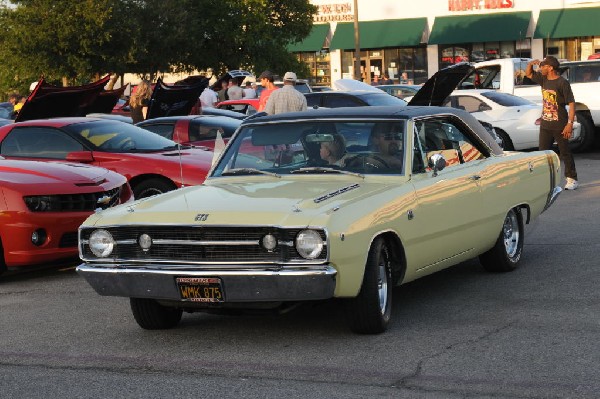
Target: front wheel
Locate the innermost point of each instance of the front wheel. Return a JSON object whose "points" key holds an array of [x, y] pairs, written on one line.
{"points": [[151, 315], [150, 187], [370, 311], [506, 252]]}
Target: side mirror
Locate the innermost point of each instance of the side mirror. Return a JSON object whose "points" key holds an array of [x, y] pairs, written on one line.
{"points": [[437, 162], [80, 157]]}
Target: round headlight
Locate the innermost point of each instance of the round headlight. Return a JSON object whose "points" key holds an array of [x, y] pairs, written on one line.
{"points": [[101, 243], [309, 244], [269, 242]]}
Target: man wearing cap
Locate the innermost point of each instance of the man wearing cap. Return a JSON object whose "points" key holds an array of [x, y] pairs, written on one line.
{"points": [[266, 80], [286, 99], [557, 123]]}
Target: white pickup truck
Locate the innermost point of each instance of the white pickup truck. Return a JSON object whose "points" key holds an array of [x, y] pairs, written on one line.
{"points": [[508, 75]]}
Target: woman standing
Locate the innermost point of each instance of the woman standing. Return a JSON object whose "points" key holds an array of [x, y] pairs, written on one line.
{"points": [[139, 101]]}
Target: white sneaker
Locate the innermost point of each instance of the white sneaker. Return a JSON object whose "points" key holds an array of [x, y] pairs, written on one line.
{"points": [[572, 184]]}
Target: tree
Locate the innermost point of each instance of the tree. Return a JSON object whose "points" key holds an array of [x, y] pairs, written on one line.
{"points": [[76, 42]]}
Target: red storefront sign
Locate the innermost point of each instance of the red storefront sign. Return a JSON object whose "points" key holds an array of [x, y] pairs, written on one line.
{"points": [[467, 5]]}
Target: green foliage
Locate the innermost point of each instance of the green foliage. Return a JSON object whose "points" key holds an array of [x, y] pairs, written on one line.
{"points": [[79, 41]]}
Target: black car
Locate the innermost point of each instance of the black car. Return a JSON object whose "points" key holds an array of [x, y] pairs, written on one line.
{"points": [[357, 98]]}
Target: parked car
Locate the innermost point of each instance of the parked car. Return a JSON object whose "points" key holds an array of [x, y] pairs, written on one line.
{"points": [[152, 164], [355, 98], [418, 189], [197, 130], [43, 205], [245, 106], [320, 88], [594, 56], [515, 120], [223, 112], [399, 90]]}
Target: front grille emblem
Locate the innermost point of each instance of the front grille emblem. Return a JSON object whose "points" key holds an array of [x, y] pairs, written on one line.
{"points": [[201, 217]]}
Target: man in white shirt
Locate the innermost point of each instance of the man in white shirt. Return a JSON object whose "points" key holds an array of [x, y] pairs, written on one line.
{"points": [[208, 98], [249, 92], [286, 99]]}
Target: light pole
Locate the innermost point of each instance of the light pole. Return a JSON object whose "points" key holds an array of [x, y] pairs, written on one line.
{"points": [[357, 75]]}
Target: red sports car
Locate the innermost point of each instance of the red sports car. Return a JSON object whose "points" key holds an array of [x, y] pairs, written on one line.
{"points": [[198, 130], [151, 163], [42, 205]]}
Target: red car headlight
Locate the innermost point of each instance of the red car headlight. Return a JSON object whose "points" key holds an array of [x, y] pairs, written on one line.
{"points": [[42, 203]]}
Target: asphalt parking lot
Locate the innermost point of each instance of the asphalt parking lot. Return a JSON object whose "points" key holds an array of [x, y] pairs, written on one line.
{"points": [[460, 333]]}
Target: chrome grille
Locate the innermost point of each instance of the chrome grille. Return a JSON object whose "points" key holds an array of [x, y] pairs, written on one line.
{"points": [[202, 244]]}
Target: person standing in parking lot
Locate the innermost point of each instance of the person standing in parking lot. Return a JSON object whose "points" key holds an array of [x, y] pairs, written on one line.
{"points": [[266, 80], [208, 98], [557, 123], [140, 100], [286, 99]]}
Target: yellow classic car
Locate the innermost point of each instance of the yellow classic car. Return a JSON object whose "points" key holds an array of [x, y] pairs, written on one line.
{"points": [[329, 203]]}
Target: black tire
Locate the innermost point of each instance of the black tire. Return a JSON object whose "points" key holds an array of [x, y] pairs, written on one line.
{"points": [[2, 262], [371, 310], [150, 315], [150, 187], [507, 143], [506, 253], [588, 133]]}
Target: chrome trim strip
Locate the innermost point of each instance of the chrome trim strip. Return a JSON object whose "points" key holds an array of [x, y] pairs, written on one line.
{"points": [[200, 243]]}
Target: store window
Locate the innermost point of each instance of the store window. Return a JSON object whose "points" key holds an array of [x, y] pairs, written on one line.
{"points": [[477, 52], [401, 65], [450, 55], [572, 49], [319, 65]]}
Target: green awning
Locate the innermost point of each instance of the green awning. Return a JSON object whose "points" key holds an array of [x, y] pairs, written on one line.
{"points": [[380, 34], [570, 22], [313, 42], [495, 27]]}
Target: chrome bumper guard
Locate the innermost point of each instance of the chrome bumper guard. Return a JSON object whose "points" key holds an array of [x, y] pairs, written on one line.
{"points": [[287, 284]]}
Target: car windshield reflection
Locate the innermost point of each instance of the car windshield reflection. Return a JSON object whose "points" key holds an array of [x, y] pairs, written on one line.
{"points": [[310, 147], [113, 136]]}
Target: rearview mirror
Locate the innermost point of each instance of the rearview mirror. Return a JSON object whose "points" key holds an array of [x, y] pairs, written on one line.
{"points": [[437, 162]]}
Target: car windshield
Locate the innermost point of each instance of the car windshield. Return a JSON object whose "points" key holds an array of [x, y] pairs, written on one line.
{"points": [[375, 99], [505, 99], [114, 136], [316, 147]]}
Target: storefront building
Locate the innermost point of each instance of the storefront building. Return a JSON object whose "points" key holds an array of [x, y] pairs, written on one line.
{"points": [[410, 43]]}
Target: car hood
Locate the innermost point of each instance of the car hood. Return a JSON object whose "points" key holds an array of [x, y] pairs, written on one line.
{"points": [[34, 174], [251, 203], [441, 85], [351, 85], [175, 100], [48, 101]]}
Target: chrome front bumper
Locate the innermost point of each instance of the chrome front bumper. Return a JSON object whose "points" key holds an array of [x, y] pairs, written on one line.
{"points": [[288, 284]]}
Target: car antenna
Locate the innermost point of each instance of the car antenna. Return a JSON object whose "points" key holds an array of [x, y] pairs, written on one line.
{"points": [[177, 141]]}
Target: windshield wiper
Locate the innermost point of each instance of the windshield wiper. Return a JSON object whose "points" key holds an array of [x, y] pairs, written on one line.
{"points": [[248, 171], [326, 170]]}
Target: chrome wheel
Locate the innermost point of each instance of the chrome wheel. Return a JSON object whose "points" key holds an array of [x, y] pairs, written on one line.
{"points": [[511, 232], [382, 285]]}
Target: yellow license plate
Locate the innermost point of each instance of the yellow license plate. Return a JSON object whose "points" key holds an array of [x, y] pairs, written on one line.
{"points": [[200, 289]]}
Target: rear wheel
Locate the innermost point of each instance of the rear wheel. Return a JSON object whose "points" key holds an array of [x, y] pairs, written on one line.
{"points": [[149, 187], [507, 143], [507, 250], [150, 315], [588, 132], [370, 311]]}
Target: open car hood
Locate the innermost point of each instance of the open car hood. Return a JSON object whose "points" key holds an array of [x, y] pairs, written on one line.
{"points": [[49, 101], [441, 85], [174, 100]]}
